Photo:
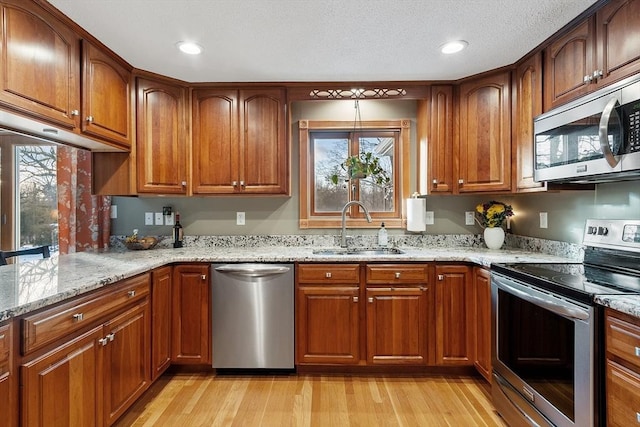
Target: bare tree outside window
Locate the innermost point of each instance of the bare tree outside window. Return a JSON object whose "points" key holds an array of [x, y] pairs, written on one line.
{"points": [[37, 207]]}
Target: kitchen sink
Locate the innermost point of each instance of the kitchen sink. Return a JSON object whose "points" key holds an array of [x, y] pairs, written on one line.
{"points": [[355, 251]]}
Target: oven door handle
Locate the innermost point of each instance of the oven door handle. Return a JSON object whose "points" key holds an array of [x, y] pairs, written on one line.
{"points": [[561, 309]]}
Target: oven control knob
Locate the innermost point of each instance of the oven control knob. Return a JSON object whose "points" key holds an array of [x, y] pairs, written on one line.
{"points": [[592, 230], [603, 231]]}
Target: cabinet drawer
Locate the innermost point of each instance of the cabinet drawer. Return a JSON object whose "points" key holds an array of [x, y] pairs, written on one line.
{"points": [[385, 274], [329, 273], [623, 396], [50, 325], [5, 343], [623, 339]]}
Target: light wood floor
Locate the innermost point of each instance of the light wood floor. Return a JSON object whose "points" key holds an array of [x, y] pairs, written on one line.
{"points": [[189, 400]]}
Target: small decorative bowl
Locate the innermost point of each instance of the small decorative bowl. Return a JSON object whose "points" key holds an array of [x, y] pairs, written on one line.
{"points": [[147, 242]]}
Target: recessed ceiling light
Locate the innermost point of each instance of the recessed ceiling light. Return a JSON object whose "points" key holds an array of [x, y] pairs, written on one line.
{"points": [[453, 47], [190, 48]]}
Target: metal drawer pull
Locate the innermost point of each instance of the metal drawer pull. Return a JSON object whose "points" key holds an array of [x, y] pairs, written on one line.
{"points": [[2, 337], [103, 341], [75, 112], [90, 119], [638, 417], [203, 277], [327, 275], [355, 299], [78, 317], [440, 276], [370, 300], [637, 349], [131, 293], [397, 274], [111, 336], [435, 182]]}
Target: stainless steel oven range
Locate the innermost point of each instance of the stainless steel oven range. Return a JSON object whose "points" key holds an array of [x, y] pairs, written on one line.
{"points": [[547, 345]]}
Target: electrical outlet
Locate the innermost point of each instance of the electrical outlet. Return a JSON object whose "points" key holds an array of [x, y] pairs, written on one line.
{"points": [[148, 218], [544, 220], [468, 218], [169, 219], [113, 213], [428, 218], [159, 218], [240, 218]]}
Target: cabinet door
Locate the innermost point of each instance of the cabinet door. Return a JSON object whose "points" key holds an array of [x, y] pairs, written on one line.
{"points": [[454, 316], [63, 388], [106, 97], [397, 325], [264, 157], [216, 151], [623, 395], [440, 140], [527, 105], [126, 360], [191, 315], [40, 65], [327, 325], [618, 32], [484, 137], [568, 66], [8, 382], [161, 292], [482, 289], [161, 143]]}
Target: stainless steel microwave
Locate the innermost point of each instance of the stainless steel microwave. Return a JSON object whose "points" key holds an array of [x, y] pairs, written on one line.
{"points": [[593, 139]]}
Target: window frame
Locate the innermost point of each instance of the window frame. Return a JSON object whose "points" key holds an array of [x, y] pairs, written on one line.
{"points": [[355, 218]]}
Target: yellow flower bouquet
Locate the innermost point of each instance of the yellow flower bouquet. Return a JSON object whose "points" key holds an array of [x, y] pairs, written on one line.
{"points": [[493, 213]]}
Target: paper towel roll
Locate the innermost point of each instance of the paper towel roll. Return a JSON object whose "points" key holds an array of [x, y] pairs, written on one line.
{"points": [[416, 213]]}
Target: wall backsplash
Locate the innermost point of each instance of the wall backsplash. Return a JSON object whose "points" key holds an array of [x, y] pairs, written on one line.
{"points": [[211, 216]]}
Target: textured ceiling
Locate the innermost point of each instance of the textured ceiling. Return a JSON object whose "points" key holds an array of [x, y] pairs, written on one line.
{"points": [[320, 40]]}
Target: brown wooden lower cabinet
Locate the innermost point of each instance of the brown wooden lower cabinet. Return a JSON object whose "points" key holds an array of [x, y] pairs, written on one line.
{"points": [[91, 378], [397, 326], [454, 315], [191, 315], [8, 381], [161, 293], [327, 325], [622, 336], [482, 294]]}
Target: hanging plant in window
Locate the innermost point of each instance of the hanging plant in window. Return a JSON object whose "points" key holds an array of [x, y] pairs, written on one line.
{"points": [[362, 166]]}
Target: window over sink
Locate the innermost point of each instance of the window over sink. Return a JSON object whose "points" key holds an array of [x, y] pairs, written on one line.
{"points": [[325, 182]]}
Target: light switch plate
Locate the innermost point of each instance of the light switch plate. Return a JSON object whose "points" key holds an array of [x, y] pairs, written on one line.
{"points": [[428, 218], [169, 219], [159, 218], [148, 218], [240, 218], [468, 218]]}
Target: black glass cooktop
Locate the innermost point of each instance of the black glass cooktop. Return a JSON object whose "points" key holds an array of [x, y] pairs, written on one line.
{"points": [[578, 281]]}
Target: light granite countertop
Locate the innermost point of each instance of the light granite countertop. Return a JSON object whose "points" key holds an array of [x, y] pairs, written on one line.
{"points": [[29, 285], [629, 304]]}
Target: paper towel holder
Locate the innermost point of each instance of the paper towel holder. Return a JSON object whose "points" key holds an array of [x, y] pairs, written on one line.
{"points": [[416, 213]]}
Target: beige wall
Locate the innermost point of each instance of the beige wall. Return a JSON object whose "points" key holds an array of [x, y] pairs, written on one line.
{"points": [[279, 215]]}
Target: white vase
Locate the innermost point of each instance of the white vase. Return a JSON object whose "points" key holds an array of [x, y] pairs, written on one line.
{"points": [[493, 237]]}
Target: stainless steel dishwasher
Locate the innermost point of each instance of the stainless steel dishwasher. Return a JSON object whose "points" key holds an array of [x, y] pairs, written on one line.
{"points": [[253, 316]]}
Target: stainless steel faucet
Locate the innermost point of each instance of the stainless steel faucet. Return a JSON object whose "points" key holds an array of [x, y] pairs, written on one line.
{"points": [[343, 236]]}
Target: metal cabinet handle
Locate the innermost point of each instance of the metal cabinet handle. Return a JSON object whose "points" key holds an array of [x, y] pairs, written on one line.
{"points": [[111, 336], [370, 300], [2, 337], [184, 183], [234, 183], [637, 351], [587, 79], [440, 276], [203, 277], [461, 181], [75, 112], [435, 182], [603, 132], [90, 119], [103, 341], [638, 417], [242, 184], [355, 299], [422, 288], [327, 275], [78, 317], [597, 74], [131, 294], [397, 274]]}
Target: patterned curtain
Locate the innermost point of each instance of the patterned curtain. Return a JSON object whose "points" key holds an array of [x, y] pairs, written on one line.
{"points": [[83, 219]]}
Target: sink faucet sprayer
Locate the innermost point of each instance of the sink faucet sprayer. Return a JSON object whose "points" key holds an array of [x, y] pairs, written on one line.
{"points": [[343, 236]]}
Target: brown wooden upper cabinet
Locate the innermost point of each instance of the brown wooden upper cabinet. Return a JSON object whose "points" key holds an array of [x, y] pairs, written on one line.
{"points": [[162, 137], [598, 51], [439, 117], [45, 82], [106, 97], [239, 141], [482, 144]]}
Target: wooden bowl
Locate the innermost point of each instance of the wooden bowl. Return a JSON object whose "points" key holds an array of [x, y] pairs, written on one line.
{"points": [[147, 242]]}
